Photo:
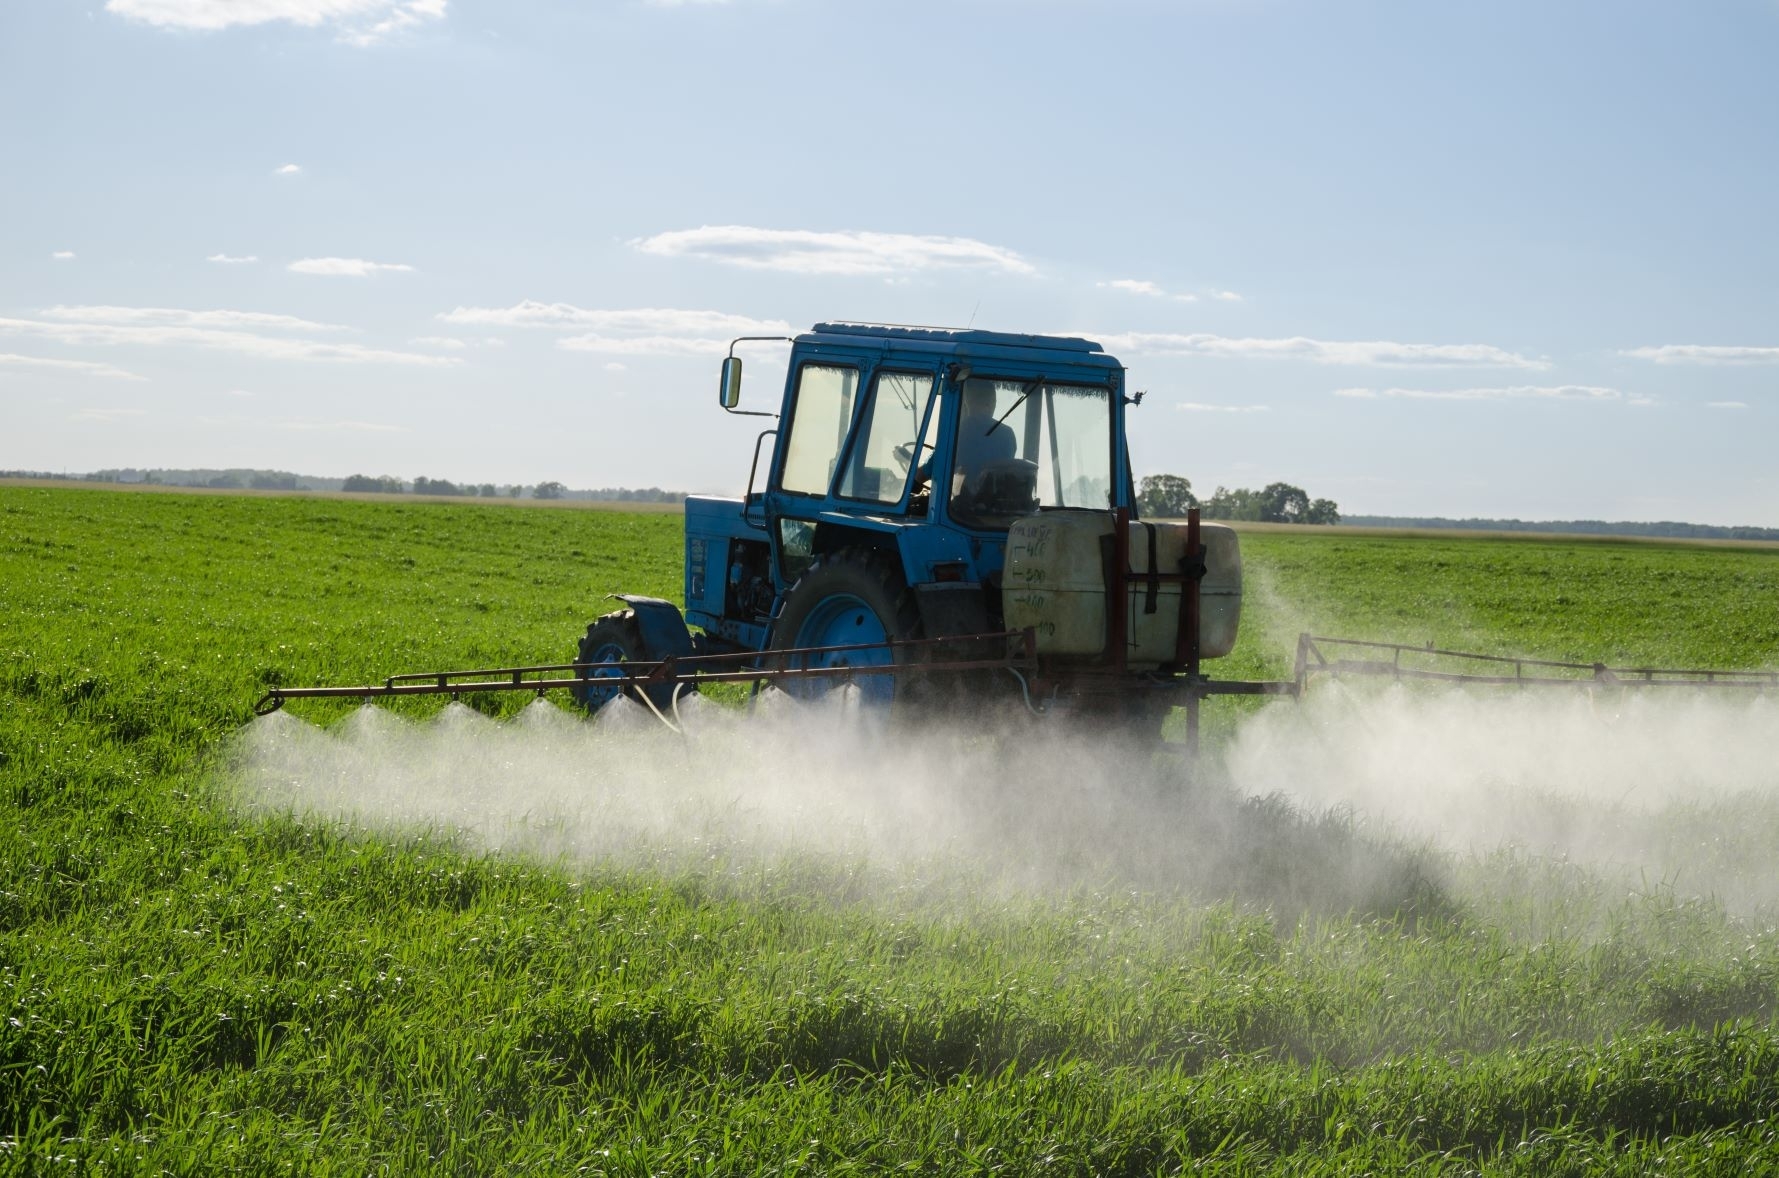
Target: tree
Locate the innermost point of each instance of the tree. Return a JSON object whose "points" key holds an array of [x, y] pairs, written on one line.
{"points": [[1237, 504], [1323, 511], [487, 490], [549, 490], [1281, 503], [1162, 495], [383, 484]]}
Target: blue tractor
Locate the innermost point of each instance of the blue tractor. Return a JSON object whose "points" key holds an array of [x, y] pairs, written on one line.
{"points": [[938, 501]]}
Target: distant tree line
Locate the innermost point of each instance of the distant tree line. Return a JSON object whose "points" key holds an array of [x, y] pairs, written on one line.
{"points": [[1170, 495], [282, 480], [548, 489], [377, 485], [233, 479], [1663, 529]]}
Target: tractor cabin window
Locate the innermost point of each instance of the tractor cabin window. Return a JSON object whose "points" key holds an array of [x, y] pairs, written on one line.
{"points": [[1027, 445], [820, 418], [883, 453]]}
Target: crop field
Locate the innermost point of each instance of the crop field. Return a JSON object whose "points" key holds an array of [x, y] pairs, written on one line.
{"points": [[1380, 933]]}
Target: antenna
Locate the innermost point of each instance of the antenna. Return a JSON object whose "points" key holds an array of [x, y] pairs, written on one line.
{"points": [[973, 311]]}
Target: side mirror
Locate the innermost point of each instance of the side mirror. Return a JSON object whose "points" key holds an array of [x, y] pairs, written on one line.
{"points": [[729, 395]]}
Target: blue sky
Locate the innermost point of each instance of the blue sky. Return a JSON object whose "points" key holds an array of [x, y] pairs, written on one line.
{"points": [[1465, 259]]}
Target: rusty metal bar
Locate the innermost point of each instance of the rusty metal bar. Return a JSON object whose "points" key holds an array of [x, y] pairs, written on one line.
{"points": [[1191, 619], [1118, 592], [651, 673]]}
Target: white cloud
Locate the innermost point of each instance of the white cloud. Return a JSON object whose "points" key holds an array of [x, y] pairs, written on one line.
{"points": [[1227, 296], [345, 267], [1562, 392], [616, 366], [62, 255], [1201, 407], [228, 260], [287, 170], [106, 415], [354, 427], [1385, 353], [640, 331], [806, 251], [360, 22], [129, 328], [1142, 286], [1705, 354], [446, 342], [642, 345], [178, 317], [400, 19], [12, 360], [1726, 404]]}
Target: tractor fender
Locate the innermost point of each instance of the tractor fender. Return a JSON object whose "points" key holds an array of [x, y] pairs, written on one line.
{"points": [[663, 628]]}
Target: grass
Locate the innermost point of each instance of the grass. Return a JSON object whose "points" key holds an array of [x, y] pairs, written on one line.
{"points": [[193, 990]]}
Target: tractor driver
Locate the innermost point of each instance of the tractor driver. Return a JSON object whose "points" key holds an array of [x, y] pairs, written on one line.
{"points": [[981, 440]]}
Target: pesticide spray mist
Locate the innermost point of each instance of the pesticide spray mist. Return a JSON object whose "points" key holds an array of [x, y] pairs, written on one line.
{"points": [[1368, 801]]}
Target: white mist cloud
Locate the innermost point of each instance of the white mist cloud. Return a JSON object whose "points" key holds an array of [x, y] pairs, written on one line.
{"points": [[624, 789], [1382, 353], [1705, 354], [807, 251], [86, 367], [1726, 404], [1664, 785], [1201, 407], [1683, 789], [346, 267], [359, 22], [228, 260], [1564, 392], [63, 255], [287, 170], [1228, 296]]}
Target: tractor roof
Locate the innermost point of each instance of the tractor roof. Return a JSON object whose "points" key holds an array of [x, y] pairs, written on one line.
{"points": [[962, 339]]}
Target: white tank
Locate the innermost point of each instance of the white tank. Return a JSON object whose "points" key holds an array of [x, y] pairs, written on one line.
{"points": [[1055, 583]]}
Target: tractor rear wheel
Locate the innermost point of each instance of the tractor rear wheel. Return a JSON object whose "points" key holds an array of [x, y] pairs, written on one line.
{"points": [[848, 598]]}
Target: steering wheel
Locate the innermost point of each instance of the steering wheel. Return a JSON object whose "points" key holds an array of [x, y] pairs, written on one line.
{"points": [[907, 452]]}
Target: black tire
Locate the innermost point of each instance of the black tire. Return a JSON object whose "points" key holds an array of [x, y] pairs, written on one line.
{"points": [[848, 581], [615, 634]]}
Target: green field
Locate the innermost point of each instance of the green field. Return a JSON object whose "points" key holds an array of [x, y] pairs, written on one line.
{"points": [[193, 984]]}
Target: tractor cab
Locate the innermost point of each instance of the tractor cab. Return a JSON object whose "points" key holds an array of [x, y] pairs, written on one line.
{"points": [[913, 450], [970, 429]]}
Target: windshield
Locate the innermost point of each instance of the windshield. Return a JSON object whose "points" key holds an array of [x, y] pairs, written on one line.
{"points": [[1026, 445]]}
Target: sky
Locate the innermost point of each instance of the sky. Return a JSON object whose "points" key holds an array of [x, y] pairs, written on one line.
{"points": [[1468, 259]]}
